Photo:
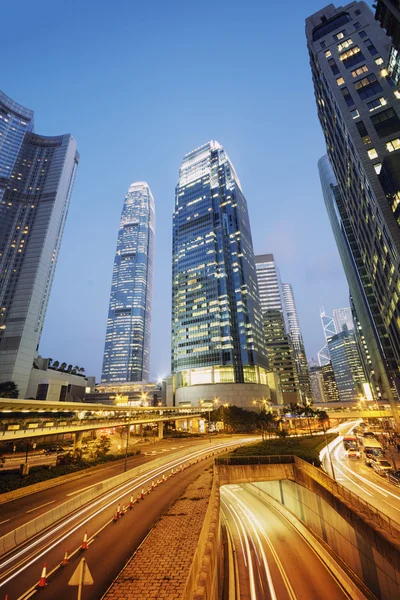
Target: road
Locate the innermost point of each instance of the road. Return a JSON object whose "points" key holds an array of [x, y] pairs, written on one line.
{"points": [[361, 479], [272, 561], [17, 512], [110, 545]]}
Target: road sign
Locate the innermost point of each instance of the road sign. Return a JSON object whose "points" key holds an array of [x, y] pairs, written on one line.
{"points": [[81, 576]]}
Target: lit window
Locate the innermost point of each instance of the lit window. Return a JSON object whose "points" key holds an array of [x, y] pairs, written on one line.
{"points": [[397, 94], [345, 45], [328, 53], [354, 113], [340, 81], [379, 61], [377, 103], [372, 153], [384, 73], [359, 71], [378, 167], [340, 35], [393, 145]]}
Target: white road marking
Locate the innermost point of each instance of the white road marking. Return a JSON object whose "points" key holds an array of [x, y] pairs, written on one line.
{"points": [[81, 490], [41, 506], [6, 521]]}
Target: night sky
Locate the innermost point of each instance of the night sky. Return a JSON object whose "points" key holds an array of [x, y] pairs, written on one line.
{"points": [[139, 85]]}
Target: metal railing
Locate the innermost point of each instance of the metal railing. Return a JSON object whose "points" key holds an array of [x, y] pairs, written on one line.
{"points": [[255, 460]]}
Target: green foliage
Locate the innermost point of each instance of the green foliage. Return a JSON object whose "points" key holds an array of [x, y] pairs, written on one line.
{"points": [[307, 448], [9, 389], [103, 446]]}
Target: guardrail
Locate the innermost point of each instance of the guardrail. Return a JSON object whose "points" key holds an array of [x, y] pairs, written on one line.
{"points": [[256, 460]]}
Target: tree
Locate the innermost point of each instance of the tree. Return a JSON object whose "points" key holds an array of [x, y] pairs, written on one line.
{"points": [[81, 369], [75, 369], [323, 418], [69, 368], [308, 412], [63, 366], [56, 364], [9, 389], [50, 360], [104, 445], [268, 418]]}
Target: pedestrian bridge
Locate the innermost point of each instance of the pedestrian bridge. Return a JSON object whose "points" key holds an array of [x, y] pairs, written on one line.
{"points": [[36, 418]]}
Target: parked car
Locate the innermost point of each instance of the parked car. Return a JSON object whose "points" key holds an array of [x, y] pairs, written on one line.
{"points": [[381, 466], [394, 477]]}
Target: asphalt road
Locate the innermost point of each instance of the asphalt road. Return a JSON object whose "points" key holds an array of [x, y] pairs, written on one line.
{"points": [[17, 512], [271, 560], [110, 545], [362, 480]]}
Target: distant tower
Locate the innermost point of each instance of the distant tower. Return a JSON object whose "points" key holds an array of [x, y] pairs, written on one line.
{"points": [[341, 317], [37, 175], [127, 346], [328, 325]]}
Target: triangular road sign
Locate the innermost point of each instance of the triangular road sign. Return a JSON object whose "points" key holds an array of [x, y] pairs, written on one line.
{"points": [[81, 575]]}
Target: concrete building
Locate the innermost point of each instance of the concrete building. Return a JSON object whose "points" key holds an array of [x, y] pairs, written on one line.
{"points": [[138, 393], [358, 107], [331, 393], [343, 317], [127, 345], [388, 14], [54, 385], [37, 175], [317, 384], [217, 329]]}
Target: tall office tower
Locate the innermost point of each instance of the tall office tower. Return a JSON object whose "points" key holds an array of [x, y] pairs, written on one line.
{"points": [[349, 373], [371, 348], [298, 343], [217, 329], [37, 175], [388, 14], [127, 346], [341, 317], [358, 109], [329, 329], [317, 384], [331, 393], [280, 345]]}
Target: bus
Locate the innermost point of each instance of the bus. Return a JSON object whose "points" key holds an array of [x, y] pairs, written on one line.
{"points": [[372, 449]]}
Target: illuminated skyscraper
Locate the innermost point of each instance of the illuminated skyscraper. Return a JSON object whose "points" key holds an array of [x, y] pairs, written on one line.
{"points": [[349, 373], [217, 329], [127, 346], [359, 111], [37, 175], [341, 317]]}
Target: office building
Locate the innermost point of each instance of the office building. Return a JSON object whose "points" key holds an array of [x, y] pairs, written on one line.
{"points": [[279, 343], [343, 317], [388, 14], [317, 384], [331, 393], [217, 328], [358, 107], [37, 176], [346, 364], [298, 343], [127, 345]]}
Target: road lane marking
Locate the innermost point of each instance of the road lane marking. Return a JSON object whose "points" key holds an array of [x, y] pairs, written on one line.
{"points": [[82, 489], [41, 506], [6, 521]]}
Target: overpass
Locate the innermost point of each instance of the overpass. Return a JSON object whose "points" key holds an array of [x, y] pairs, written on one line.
{"points": [[36, 418]]}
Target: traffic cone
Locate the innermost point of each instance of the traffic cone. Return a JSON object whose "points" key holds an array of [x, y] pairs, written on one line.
{"points": [[115, 517], [131, 503], [152, 486], [42, 581], [181, 468], [148, 490], [64, 561], [84, 542], [142, 494], [163, 477], [172, 473]]}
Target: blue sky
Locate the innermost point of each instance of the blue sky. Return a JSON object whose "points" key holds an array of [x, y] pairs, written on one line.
{"points": [[139, 85]]}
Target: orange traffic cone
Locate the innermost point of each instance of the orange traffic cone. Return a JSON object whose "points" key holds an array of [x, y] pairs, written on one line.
{"points": [[181, 468], [142, 494], [131, 503], [152, 486], [118, 510], [84, 542], [163, 477], [42, 581], [65, 559], [115, 517]]}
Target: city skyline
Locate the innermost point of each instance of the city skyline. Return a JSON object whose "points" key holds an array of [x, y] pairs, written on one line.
{"points": [[292, 224]]}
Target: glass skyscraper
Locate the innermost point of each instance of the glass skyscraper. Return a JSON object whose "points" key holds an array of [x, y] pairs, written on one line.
{"points": [[349, 373], [359, 110], [217, 328], [127, 346], [37, 175]]}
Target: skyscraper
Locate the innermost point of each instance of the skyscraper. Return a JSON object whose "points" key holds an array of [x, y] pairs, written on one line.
{"points": [[298, 343], [279, 343], [217, 330], [349, 373], [358, 109], [127, 346], [37, 175], [341, 317], [388, 14]]}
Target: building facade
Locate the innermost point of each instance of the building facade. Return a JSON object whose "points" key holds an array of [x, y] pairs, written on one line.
{"points": [[343, 317], [217, 329], [346, 364], [37, 175], [331, 393], [358, 107], [298, 343], [317, 384], [127, 345], [388, 14], [279, 343]]}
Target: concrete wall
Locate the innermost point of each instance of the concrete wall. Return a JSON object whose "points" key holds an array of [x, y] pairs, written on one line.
{"points": [[364, 539], [55, 380], [239, 394]]}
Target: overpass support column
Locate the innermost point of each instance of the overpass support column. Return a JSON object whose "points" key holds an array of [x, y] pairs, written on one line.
{"points": [[160, 430], [195, 425], [78, 435]]}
